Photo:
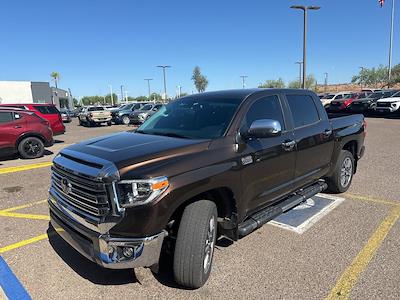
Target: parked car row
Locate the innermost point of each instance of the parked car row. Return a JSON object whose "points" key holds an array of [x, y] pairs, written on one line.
{"points": [[365, 102]]}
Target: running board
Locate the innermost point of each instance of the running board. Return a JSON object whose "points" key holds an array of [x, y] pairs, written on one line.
{"points": [[260, 218]]}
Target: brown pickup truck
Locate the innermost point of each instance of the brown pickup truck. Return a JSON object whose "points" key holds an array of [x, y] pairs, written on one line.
{"points": [[204, 166], [94, 115]]}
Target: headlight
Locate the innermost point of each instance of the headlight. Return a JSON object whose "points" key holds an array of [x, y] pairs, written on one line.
{"points": [[138, 192], [142, 115]]}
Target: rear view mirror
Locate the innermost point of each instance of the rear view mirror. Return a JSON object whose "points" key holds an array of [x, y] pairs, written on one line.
{"points": [[264, 128]]}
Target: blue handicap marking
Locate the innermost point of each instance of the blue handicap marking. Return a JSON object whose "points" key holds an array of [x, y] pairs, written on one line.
{"points": [[302, 217], [10, 284]]}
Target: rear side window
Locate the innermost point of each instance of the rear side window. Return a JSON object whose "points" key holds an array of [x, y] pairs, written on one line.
{"points": [[264, 108], [47, 110], [339, 97], [6, 117], [303, 110]]}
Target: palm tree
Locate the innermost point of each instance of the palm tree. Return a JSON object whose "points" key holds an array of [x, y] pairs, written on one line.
{"points": [[56, 78]]}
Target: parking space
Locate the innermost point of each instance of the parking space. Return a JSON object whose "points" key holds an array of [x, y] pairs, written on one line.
{"points": [[347, 247]]}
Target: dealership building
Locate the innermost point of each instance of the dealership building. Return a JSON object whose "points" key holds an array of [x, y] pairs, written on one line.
{"points": [[34, 92]]}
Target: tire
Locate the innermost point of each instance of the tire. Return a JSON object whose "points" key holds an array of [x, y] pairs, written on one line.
{"points": [[109, 123], [125, 120], [80, 122], [195, 243], [340, 180], [31, 147]]}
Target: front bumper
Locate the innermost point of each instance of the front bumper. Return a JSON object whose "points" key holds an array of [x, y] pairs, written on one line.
{"points": [[103, 249], [385, 109], [101, 120]]}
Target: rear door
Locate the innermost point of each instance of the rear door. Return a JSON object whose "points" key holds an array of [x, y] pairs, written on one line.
{"points": [[11, 127], [313, 136], [268, 168], [51, 114]]}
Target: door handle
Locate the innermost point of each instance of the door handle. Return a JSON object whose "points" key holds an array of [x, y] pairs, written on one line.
{"points": [[288, 145], [327, 132], [17, 126]]}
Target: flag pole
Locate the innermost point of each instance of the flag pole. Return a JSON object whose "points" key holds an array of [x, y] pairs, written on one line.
{"points": [[391, 43]]}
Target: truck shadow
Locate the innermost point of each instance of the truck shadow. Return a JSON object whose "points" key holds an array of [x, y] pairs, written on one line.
{"points": [[85, 268]]}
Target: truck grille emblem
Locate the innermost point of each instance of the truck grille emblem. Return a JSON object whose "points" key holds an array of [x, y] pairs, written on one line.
{"points": [[66, 186]]}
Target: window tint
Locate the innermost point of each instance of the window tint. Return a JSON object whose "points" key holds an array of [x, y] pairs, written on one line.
{"points": [[6, 117], [147, 107], [264, 108], [303, 110], [46, 110], [339, 97]]}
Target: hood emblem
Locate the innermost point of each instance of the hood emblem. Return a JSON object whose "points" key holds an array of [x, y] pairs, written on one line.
{"points": [[66, 186]]}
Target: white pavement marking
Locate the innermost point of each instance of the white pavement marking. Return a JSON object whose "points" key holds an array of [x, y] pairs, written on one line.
{"points": [[303, 227]]}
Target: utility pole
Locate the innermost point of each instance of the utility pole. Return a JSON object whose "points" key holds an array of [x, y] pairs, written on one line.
{"points": [[165, 81], [391, 43], [326, 81], [243, 80], [305, 10], [300, 63], [148, 86], [111, 95]]}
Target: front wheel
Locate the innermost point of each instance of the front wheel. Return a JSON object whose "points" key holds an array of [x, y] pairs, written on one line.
{"points": [[125, 120], [31, 147], [109, 123], [340, 180], [195, 243]]}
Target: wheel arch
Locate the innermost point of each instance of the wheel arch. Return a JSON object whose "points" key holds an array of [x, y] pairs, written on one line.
{"points": [[29, 134]]}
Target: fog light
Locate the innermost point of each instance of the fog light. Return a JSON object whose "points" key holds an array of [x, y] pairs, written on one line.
{"points": [[128, 252]]}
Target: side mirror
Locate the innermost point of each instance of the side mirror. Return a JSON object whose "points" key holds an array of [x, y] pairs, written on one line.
{"points": [[264, 128]]}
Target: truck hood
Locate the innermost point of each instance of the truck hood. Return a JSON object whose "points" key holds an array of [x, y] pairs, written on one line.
{"points": [[129, 149], [390, 100]]}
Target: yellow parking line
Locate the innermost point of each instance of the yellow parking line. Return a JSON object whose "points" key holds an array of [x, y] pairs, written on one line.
{"points": [[25, 167], [26, 242], [23, 243], [24, 216], [372, 199], [23, 206], [349, 278]]}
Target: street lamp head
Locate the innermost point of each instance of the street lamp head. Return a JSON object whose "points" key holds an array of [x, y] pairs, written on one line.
{"points": [[298, 7], [314, 7], [163, 66]]}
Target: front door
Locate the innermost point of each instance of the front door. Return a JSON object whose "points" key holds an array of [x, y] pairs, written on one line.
{"points": [[267, 166]]}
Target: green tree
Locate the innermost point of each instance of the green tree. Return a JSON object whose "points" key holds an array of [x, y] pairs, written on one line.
{"points": [[310, 83], [200, 81], [56, 78], [75, 101], [372, 77], [272, 83]]}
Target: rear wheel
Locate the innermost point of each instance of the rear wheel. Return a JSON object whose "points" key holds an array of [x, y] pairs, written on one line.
{"points": [[195, 243], [31, 147], [109, 123], [125, 120], [342, 176]]}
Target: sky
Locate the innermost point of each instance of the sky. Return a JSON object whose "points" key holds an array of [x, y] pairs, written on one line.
{"points": [[95, 43]]}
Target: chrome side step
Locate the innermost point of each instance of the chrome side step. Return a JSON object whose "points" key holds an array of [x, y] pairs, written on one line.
{"points": [[260, 218]]}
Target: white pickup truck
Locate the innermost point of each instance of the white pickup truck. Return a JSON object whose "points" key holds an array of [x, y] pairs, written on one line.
{"points": [[94, 115], [388, 105]]}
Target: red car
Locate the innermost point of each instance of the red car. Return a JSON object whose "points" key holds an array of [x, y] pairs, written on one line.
{"points": [[342, 104], [23, 132], [46, 111]]}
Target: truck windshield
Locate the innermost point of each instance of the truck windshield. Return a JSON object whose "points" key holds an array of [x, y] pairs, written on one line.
{"points": [[192, 118]]}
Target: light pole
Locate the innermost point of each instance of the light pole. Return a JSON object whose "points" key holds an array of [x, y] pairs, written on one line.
{"points": [[148, 86], [305, 9], [243, 80], [165, 82], [122, 93], [300, 65], [326, 81], [391, 43], [111, 95]]}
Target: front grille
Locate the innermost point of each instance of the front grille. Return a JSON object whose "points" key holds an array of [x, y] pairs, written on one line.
{"points": [[85, 194], [384, 104]]}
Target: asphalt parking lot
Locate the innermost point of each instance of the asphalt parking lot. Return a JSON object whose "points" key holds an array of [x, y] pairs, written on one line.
{"points": [[352, 251]]}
